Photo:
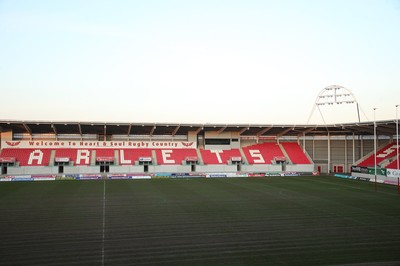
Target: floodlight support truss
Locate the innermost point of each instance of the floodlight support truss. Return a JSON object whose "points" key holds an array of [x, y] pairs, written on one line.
{"points": [[335, 95]]}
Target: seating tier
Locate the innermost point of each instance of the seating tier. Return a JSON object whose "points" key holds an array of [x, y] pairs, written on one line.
{"points": [[263, 153], [392, 165], [218, 156], [295, 153], [28, 157], [78, 156], [130, 156], [174, 156], [382, 154]]}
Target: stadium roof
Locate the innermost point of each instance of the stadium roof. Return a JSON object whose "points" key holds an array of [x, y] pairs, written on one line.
{"points": [[386, 127]]}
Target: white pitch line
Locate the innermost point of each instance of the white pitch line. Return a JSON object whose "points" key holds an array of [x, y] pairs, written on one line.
{"points": [[104, 222]]}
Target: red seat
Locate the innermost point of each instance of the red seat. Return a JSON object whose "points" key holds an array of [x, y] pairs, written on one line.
{"points": [[78, 156], [130, 156], [263, 153], [392, 165], [28, 157], [295, 153], [104, 155], [382, 154], [174, 156]]}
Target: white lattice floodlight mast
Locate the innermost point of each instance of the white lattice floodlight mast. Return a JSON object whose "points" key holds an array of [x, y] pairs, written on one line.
{"points": [[334, 95]]}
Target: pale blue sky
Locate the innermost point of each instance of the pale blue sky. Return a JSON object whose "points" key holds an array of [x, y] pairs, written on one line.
{"points": [[215, 61]]}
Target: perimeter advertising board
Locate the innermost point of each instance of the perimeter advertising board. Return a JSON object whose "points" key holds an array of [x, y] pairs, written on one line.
{"points": [[359, 169], [29, 178], [392, 173], [379, 171]]}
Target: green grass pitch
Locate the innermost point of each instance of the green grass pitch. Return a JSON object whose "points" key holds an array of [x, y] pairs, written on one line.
{"points": [[237, 221]]}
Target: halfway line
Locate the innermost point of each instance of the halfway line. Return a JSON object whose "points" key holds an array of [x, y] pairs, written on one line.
{"points": [[104, 221]]}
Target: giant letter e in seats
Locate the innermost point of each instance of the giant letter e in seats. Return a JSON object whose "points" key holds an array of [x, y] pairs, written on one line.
{"points": [[166, 154]]}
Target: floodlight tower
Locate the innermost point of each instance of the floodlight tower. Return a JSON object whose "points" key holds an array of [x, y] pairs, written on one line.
{"points": [[334, 95], [375, 148]]}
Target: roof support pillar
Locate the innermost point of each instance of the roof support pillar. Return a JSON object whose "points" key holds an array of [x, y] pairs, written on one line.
{"points": [[329, 152], [55, 131], [27, 128], [129, 132], [354, 148], [345, 154], [80, 130]]}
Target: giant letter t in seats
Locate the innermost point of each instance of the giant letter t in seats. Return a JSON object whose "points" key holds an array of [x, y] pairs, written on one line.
{"points": [[217, 153]]}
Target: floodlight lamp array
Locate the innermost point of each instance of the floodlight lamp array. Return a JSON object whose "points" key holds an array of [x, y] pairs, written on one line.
{"points": [[335, 95]]}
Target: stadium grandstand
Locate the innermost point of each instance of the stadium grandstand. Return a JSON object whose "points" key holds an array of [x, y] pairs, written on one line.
{"points": [[101, 148], [192, 209]]}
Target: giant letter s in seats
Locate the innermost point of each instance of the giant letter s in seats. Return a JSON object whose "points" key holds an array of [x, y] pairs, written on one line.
{"points": [[256, 155]]}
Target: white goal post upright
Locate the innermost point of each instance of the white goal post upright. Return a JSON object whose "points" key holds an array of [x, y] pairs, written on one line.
{"points": [[397, 147]]}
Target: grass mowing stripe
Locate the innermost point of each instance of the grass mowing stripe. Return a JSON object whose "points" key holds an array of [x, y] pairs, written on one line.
{"points": [[104, 223], [331, 212], [170, 199], [50, 223], [354, 185]]}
